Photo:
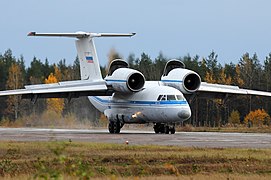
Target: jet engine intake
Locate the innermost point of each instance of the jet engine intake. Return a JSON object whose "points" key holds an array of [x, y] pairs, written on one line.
{"points": [[126, 80]]}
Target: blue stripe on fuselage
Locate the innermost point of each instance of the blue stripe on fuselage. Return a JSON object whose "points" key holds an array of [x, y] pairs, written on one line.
{"points": [[172, 81], [115, 80], [171, 102]]}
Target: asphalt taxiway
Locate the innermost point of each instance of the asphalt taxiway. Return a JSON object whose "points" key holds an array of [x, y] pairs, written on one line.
{"points": [[138, 137]]}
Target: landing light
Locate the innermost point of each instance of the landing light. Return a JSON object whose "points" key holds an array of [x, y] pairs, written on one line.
{"points": [[136, 114]]}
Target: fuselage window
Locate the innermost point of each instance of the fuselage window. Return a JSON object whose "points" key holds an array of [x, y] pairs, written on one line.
{"points": [[171, 97]]}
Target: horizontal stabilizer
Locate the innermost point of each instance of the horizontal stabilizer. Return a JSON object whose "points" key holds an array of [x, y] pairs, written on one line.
{"points": [[82, 34]]}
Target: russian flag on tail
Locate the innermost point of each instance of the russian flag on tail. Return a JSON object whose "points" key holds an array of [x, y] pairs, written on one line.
{"points": [[89, 59]]}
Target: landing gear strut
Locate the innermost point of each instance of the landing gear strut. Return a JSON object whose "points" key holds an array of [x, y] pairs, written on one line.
{"points": [[164, 128], [114, 127]]}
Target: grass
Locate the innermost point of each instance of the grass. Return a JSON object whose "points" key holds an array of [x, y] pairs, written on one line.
{"points": [[99, 160], [237, 129]]}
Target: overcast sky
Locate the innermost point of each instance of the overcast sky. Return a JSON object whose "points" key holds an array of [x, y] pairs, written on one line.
{"points": [[175, 27]]}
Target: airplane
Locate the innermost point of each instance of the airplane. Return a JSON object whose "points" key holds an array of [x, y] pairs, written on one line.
{"points": [[124, 96]]}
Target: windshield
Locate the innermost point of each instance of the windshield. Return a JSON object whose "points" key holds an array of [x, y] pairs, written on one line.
{"points": [[170, 98]]}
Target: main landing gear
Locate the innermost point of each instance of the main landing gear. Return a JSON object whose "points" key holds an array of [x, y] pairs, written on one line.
{"points": [[115, 126], [164, 128]]}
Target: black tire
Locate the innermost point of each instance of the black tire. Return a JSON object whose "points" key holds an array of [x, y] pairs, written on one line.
{"points": [[172, 130], [166, 130], [111, 127], [156, 130], [162, 128], [115, 127]]}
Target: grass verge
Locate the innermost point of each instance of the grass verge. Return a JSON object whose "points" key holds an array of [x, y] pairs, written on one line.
{"points": [[237, 129], [99, 160]]}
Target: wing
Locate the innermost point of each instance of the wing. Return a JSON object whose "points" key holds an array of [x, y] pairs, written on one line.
{"points": [[68, 89], [216, 90]]}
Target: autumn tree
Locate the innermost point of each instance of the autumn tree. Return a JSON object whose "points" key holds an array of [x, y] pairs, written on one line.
{"points": [[224, 78], [57, 74], [15, 81], [237, 78], [257, 117], [210, 77], [54, 104]]}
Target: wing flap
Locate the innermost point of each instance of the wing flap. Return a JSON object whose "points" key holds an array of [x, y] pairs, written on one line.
{"points": [[229, 89]]}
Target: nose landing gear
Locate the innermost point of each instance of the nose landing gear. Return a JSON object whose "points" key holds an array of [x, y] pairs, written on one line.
{"points": [[164, 128]]}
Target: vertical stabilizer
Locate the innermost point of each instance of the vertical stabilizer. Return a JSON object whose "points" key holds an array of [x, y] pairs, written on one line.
{"points": [[89, 64]]}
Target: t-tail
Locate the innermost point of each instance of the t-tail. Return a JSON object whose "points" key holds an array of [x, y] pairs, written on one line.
{"points": [[89, 63]]}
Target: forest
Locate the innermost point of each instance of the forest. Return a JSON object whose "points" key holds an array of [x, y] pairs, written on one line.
{"points": [[250, 72]]}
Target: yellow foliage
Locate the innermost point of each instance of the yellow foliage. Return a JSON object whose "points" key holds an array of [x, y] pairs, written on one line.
{"points": [[15, 80], [57, 74], [257, 117], [223, 79], [238, 80], [54, 104], [210, 77], [51, 79]]}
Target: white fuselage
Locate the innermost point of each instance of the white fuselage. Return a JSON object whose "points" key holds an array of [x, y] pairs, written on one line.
{"points": [[155, 103]]}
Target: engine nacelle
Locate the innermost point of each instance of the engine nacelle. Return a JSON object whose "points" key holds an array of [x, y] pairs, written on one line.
{"points": [[126, 80], [184, 80]]}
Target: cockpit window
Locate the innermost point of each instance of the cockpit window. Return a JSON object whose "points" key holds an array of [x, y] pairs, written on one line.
{"points": [[164, 98], [171, 97], [159, 97], [179, 97]]}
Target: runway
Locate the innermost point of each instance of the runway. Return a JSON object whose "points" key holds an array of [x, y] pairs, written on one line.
{"points": [[138, 137]]}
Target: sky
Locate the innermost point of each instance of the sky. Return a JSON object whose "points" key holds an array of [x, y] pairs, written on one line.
{"points": [[174, 27]]}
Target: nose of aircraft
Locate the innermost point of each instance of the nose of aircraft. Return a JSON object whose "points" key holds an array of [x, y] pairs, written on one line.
{"points": [[184, 114]]}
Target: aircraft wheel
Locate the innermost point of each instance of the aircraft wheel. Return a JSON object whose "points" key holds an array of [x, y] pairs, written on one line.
{"points": [[114, 127], [156, 128], [166, 130], [111, 127], [117, 127], [172, 130], [162, 128]]}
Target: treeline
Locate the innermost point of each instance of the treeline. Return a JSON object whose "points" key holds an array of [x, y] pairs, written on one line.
{"points": [[247, 73]]}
